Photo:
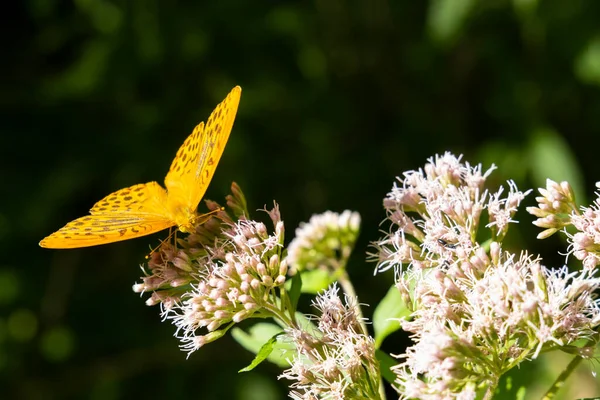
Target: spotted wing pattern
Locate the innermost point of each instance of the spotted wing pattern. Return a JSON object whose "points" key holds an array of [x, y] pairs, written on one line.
{"points": [[93, 230], [147, 208], [127, 213], [196, 161]]}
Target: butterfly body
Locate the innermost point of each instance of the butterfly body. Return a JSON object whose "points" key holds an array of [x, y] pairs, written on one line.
{"points": [[147, 208]]}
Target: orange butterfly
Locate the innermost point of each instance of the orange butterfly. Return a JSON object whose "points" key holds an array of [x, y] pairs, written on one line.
{"points": [[146, 208]]}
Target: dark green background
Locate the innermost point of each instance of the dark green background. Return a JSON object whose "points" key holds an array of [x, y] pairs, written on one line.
{"points": [[339, 97]]}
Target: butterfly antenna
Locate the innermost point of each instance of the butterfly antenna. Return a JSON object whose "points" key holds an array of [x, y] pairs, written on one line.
{"points": [[200, 219], [172, 232]]}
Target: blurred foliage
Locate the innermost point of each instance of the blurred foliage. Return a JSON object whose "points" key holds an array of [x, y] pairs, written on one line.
{"points": [[339, 97]]}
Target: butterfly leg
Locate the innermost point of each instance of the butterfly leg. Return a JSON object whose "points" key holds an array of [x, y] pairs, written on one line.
{"points": [[172, 233]]}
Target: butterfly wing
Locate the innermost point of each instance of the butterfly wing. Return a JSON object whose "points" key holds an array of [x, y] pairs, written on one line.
{"points": [[127, 213], [196, 160], [146, 208]]}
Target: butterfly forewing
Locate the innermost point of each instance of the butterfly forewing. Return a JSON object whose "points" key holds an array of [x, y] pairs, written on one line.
{"points": [[180, 176], [196, 161], [93, 230], [141, 198]]}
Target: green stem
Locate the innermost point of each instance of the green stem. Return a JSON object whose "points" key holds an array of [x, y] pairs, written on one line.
{"points": [[489, 393], [560, 381], [348, 288], [286, 304], [279, 316]]}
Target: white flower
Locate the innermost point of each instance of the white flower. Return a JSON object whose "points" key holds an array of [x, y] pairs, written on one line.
{"points": [[326, 241], [231, 289], [337, 361]]}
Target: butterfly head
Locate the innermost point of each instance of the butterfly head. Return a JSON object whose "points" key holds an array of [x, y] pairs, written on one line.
{"points": [[187, 223], [191, 223], [187, 228]]}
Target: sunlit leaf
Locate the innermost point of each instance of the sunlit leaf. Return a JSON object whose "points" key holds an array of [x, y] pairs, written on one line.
{"points": [[587, 64], [257, 336], [386, 315], [447, 17], [264, 352], [316, 280], [551, 157]]}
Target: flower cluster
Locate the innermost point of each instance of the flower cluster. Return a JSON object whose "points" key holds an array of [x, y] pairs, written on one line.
{"points": [[219, 275], [555, 205], [557, 210], [477, 311], [326, 241], [436, 214], [174, 266], [232, 290], [471, 331], [337, 360]]}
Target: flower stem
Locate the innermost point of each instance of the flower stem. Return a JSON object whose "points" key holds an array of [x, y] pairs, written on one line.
{"points": [[348, 288], [560, 381], [279, 316], [489, 393]]}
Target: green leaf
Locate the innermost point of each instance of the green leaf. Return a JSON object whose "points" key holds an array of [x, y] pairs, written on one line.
{"points": [[446, 19], [316, 280], [551, 157], [385, 316], [587, 64], [304, 322], [513, 384], [264, 352], [260, 335], [521, 392], [295, 290], [385, 363]]}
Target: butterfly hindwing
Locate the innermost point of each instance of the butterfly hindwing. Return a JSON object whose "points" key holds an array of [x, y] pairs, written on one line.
{"points": [[127, 213], [93, 230]]}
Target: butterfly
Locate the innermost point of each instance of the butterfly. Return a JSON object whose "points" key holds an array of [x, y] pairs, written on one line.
{"points": [[147, 208]]}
